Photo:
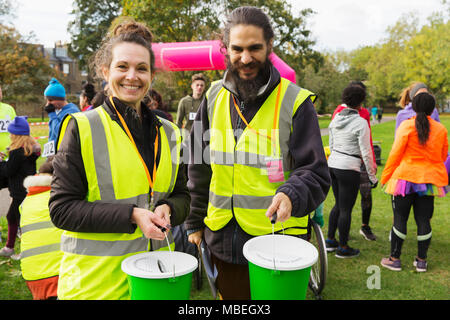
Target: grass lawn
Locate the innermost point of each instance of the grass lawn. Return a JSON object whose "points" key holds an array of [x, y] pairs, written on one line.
{"points": [[348, 279]]}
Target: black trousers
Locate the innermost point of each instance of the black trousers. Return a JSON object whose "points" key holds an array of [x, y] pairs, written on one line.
{"points": [[423, 207], [345, 185]]}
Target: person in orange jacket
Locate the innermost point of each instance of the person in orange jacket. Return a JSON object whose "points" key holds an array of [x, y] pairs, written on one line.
{"points": [[414, 174]]}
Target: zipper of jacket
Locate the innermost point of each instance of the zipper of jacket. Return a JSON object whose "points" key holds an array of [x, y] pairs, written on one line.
{"points": [[233, 239]]}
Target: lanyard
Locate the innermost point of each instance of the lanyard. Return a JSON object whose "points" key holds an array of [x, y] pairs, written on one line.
{"points": [[275, 118], [150, 179]]}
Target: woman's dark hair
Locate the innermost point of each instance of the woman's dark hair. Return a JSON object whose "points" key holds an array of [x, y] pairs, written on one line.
{"points": [[98, 99], [154, 95], [353, 95], [89, 92], [248, 16], [423, 104]]}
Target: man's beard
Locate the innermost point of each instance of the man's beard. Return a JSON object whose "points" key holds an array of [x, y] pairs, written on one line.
{"points": [[248, 89]]}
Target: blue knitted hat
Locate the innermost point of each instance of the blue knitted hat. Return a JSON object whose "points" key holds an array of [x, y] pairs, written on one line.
{"points": [[55, 90], [19, 126]]}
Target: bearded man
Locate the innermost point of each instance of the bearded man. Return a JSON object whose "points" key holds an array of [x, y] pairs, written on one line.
{"points": [[256, 150]]}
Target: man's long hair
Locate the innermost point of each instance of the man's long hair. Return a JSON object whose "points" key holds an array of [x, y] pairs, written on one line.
{"points": [[248, 16]]}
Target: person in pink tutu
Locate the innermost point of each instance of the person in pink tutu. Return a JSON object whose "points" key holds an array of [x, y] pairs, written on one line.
{"points": [[414, 174]]}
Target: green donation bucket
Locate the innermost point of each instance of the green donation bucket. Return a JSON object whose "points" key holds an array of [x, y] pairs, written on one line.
{"points": [[160, 275], [279, 266]]}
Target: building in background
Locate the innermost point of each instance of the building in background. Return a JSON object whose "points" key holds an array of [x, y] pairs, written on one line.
{"points": [[60, 60]]}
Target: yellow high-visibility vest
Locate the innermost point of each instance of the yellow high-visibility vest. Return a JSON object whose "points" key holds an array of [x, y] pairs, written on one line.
{"points": [[7, 114], [40, 254], [240, 185], [91, 265]]}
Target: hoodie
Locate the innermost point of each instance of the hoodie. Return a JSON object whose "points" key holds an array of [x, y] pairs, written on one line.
{"points": [[17, 168], [349, 141]]}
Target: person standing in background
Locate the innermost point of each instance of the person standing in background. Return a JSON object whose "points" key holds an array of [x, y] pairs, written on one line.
{"points": [[414, 174], [365, 188], [23, 153], [87, 95], [40, 253], [350, 149], [188, 106], [405, 102], [57, 108], [7, 114]]}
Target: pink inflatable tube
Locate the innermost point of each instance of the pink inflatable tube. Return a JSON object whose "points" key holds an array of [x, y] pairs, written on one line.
{"points": [[203, 55]]}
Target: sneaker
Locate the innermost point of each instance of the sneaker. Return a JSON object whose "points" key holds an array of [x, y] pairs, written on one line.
{"points": [[346, 252], [421, 265], [331, 245], [6, 252], [366, 232], [394, 265]]}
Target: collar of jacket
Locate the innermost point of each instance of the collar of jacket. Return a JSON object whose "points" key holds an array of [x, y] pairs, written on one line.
{"points": [[264, 91], [348, 111], [130, 114], [38, 183]]}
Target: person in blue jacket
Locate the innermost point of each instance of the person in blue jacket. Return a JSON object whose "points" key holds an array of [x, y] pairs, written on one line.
{"points": [[57, 107]]}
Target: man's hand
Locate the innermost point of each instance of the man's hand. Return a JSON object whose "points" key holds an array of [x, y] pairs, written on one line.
{"points": [[282, 205], [196, 238]]}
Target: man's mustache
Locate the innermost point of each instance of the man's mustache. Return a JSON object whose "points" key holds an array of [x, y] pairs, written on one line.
{"points": [[240, 65]]}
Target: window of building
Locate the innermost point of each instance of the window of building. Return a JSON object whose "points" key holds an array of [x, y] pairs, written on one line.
{"points": [[66, 68]]}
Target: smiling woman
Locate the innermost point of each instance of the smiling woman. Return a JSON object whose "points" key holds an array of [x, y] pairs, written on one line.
{"points": [[112, 211]]}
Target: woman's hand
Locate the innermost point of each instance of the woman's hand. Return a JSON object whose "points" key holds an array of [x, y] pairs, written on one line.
{"points": [[148, 222], [163, 211]]}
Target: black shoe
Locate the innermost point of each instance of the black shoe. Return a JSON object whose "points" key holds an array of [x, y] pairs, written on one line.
{"points": [[331, 245], [346, 252], [366, 232]]}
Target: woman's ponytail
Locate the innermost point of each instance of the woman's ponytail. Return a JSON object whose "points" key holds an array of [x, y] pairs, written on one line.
{"points": [[423, 104]]}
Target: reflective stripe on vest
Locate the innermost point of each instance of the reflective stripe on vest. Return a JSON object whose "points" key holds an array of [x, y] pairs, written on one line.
{"points": [[239, 183], [115, 174], [40, 254]]}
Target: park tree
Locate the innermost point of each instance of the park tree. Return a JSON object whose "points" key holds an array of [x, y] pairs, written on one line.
{"points": [[92, 18], [24, 70], [6, 8], [328, 81], [176, 21], [408, 54], [428, 56]]}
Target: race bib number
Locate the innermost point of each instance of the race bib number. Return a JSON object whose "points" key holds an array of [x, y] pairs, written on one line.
{"points": [[49, 149], [4, 123], [192, 115]]}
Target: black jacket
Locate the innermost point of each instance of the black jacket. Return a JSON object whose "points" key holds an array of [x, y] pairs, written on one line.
{"points": [[68, 208], [16, 169], [307, 186]]}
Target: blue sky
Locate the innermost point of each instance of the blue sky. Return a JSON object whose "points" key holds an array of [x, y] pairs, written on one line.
{"points": [[338, 24]]}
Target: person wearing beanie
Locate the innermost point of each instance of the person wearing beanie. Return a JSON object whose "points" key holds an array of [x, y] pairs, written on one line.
{"points": [[23, 153], [405, 102], [57, 107]]}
